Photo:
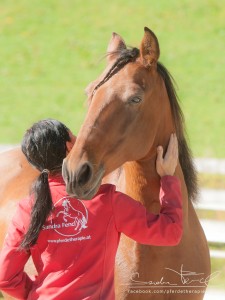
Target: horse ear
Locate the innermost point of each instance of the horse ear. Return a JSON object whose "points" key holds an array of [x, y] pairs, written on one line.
{"points": [[116, 44], [149, 49]]}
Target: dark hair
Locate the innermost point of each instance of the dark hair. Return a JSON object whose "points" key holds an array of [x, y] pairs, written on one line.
{"points": [[44, 146]]}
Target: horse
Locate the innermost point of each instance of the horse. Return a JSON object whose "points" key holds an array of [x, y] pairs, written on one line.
{"points": [[133, 108]]}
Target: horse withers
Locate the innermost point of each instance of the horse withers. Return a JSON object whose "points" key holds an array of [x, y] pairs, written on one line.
{"points": [[133, 108]]}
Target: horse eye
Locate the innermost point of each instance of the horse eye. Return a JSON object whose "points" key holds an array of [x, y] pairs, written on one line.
{"points": [[135, 100]]}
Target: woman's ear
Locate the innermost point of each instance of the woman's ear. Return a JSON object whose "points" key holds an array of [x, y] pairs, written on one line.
{"points": [[70, 144], [69, 147]]}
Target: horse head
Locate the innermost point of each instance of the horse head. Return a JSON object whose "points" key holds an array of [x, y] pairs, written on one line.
{"points": [[128, 105]]}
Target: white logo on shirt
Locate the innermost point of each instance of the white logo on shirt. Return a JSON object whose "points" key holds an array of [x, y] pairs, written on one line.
{"points": [[70, 217]]}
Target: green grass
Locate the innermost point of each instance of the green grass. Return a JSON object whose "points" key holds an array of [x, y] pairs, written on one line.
{"points": [[50, 51]]}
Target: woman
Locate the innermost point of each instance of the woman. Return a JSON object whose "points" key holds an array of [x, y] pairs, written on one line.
{"points": [[73, 243]]}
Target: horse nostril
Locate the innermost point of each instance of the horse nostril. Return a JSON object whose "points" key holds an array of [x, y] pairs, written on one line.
{"points": [[84, 174]]}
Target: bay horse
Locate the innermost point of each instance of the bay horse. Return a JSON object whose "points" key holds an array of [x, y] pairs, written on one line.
{"points": [[133, 108]]}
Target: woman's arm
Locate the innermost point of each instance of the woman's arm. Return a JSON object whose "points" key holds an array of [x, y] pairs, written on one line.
{"points": [[165, 228]]}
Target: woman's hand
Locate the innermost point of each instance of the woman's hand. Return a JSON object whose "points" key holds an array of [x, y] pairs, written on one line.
{"points": [[167, 165]]}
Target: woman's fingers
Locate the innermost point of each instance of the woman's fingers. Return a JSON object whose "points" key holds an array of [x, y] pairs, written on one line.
{"points": [[159, 154], [171, 150], [167, 165]]}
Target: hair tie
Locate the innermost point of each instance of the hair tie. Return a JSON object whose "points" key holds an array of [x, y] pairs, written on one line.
{"points": [[45, 171]]}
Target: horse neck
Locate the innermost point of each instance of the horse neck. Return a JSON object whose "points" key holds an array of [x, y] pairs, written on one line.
{"points": [[142, 183], [141, 180]]}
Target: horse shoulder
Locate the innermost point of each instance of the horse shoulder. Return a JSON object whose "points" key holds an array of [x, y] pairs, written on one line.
{"points": [[16, 177]]}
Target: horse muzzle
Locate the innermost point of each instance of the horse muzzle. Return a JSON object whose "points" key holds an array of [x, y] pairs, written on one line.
{"points": [[84, 181]]}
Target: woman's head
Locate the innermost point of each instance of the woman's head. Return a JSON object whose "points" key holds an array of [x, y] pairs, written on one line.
{"points": [[44, 145]]}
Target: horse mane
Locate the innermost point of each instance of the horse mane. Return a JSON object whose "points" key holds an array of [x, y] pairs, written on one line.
{"points": [[185, 155]]}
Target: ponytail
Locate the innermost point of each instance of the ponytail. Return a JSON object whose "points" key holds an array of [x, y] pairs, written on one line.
{"points": [[40, 211], [44, 146]]}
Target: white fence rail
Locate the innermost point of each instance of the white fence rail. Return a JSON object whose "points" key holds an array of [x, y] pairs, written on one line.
{"points": [[213, 200]]}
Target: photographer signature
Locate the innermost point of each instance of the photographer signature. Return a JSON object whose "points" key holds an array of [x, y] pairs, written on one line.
{"points": [[186, 278]]}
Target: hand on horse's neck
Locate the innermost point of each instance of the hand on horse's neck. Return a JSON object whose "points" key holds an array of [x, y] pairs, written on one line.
{"points": [[142, 180]]}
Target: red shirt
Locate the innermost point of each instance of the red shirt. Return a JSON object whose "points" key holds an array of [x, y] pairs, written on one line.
{"points": [[75, 251]]}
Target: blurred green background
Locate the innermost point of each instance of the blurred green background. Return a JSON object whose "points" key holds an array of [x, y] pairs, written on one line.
{"points": [[50, 50]]}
